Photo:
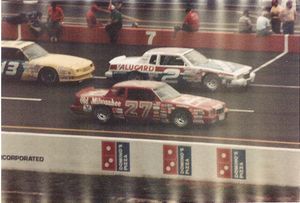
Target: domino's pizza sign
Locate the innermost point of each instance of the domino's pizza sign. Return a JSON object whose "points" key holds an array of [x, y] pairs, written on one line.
{"points": [[177, 160], [231, 163], [115, 156]]}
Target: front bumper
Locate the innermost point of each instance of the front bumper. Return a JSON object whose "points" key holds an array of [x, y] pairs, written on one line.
{"points": [[108, 74], [242, 82]]}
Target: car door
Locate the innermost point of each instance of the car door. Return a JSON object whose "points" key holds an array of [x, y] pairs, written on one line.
{"points": [[13, 63], [139, 104], [172, 66]]}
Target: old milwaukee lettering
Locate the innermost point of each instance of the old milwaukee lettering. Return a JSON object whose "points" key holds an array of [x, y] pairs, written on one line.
{"points": [[108, 102]]}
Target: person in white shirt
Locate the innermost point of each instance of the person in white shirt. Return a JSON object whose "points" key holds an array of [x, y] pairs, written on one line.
{"points": [[263, 25]]}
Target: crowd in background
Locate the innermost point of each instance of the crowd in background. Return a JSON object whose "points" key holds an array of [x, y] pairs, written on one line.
{"points": [[278, 18], [271, 20]]}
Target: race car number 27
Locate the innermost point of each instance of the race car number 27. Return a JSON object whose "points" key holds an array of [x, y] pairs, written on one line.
{"points": [[9, 68], [132, 107]]}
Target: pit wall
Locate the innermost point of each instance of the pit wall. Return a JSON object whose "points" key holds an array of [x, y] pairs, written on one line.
{"points": [[164, 37], [150, 158]]}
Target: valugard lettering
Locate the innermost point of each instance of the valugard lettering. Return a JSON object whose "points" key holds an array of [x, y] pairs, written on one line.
{"points": [[136, 67]]}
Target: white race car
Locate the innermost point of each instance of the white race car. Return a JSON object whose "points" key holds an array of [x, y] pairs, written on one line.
{"points": [[24, 60], [175, 65]]}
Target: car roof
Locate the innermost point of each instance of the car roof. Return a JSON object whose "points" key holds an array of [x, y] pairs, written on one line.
{"points": [[168, 50], [140, 84], [15, 44]]}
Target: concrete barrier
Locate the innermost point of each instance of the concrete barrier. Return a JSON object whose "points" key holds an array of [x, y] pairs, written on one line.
{"points": [[150, 158], [164, 37]]}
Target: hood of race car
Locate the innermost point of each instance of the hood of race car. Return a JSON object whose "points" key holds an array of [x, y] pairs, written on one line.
{"points": [[62, 61], [191, 101], [226, 66]]}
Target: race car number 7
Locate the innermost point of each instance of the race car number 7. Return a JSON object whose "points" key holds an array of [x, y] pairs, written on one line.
{"points": [[151, 35], [9, 68]]}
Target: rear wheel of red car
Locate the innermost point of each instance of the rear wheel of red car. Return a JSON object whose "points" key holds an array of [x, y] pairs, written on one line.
{"points": [[48, 76], [103, 114], [135, 76], [181, 118], [212, 82]]}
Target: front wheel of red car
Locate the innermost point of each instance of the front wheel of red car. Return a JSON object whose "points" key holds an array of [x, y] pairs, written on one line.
{"points": [[211, 82], [181, 118], [103, 114]]}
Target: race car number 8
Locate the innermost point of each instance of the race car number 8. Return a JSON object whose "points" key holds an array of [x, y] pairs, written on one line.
{"points": [[9, 68]]}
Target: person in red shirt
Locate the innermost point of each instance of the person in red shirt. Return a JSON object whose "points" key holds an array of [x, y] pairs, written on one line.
{"points": [[191, 21], [55, 19], [91, 16]]}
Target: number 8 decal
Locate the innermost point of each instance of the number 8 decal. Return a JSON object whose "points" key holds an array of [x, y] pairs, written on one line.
{"points": [[10, 68]]}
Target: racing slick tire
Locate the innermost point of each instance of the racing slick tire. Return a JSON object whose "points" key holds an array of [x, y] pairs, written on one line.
{"points": [[135, 76], [103, 114], [181, 118], [212, 82], [48, 76]]}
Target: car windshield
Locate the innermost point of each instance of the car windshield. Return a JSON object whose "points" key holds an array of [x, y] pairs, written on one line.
{"points": [[34, 51], [196, 58], [165, 92]]}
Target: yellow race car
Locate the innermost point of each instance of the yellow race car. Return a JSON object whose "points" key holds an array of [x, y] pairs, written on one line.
{"points": [[25, 60]]}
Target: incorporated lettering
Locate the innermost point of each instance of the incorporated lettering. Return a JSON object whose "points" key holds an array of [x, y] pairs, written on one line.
{"points": [[136, 67], [108, 102], [22, 158]]}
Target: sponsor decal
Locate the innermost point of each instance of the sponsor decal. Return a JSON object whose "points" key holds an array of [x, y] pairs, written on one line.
{"points": [[231, 163], [115, 156], [177, 160], [108, 102], [136, 67], [22, 158]]}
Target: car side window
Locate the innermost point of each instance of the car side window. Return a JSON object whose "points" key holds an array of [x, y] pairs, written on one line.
{"points": [[171, 60], [140, 95], [12, 54], [153, 59], [118, 92]]}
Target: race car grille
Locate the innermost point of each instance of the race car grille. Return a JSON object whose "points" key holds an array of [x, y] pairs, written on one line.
{"points": [[85, 69], [247, 76]]}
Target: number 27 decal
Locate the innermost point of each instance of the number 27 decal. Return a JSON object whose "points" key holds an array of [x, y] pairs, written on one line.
{"points": [[134, 105]]}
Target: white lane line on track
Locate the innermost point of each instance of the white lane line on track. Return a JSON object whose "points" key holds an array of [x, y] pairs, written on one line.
{"points": [[22, 99], [99, 77], [22, 193], [276, 86], [241, 110]]}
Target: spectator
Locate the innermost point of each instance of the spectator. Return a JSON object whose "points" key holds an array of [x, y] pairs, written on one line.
{"points": [[191, 21], [91, 16], [288, 16], [115, 24], [283, 4], [35, 23], [55, 19], [263, 26], [275, 20], [245, 25]]}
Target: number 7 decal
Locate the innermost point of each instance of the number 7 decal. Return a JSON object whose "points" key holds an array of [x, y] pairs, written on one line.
{"points": [[133, 105]]}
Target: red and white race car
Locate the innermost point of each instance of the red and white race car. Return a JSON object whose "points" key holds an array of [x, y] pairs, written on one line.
{"points": [[174, 65], [148, 100]]}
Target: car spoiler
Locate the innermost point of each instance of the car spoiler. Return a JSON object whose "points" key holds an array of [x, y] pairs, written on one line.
{"points": [[117, 59]]}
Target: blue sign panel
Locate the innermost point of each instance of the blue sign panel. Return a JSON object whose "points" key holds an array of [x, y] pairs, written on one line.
{"points": [[184, 160], [123, 156], [238, 164]]}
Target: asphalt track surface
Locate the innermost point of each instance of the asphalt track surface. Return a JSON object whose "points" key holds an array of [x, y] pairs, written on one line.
{"points": [[266, 114]]}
